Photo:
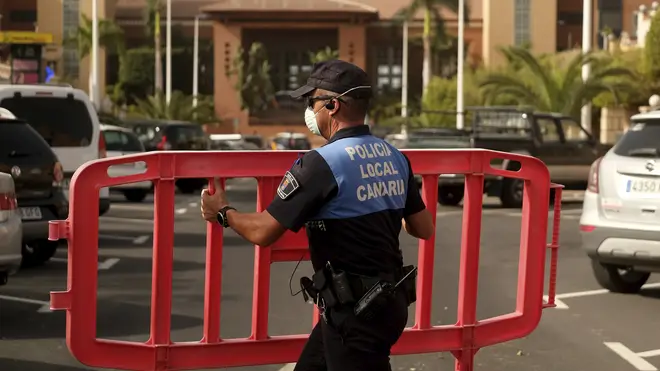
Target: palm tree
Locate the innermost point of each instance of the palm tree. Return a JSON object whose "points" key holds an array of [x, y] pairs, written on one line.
{"points": [[179, 108], [550, 86], [323, 55], [152, 22], [431, 9], [111, 37]]}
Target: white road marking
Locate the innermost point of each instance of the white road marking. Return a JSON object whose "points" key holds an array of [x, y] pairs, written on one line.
{"points": [[141, 239], [181, 211], [108, 263], [113, 237], [650, 353], [635, 359], [288, 367], [570, 295], [125, 220], [558, 303], [192, 204], [104, 265], [44, 305]]}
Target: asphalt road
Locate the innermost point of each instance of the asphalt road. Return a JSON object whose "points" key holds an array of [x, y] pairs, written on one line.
{"points": [[584, 334]]}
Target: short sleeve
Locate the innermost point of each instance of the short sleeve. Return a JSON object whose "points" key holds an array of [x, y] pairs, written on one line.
{"points": [[303, 191], [414, 202]]}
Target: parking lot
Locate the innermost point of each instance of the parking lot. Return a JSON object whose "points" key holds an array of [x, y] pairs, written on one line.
{"points": [[590, 329]]}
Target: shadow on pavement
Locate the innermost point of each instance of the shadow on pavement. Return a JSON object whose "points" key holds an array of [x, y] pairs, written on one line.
{"points": [[114, 320], [125, 265], [20, 365], [650, 293], [181, 241]]}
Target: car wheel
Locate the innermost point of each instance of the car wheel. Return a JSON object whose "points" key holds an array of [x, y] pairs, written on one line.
{"points": [[135, 195], [37, 252], [512, 193], [450, 195], [618, 279]]}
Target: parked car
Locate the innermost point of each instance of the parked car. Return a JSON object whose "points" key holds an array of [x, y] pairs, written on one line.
{"points": [[563, 145], [290, 141], [10, 229], [66, 119], [120, 141], [37, 175], [232, 142], [164, 135], [620, 222]]}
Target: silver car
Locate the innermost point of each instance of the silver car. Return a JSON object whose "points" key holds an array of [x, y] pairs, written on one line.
{"points": [[10, 229], [620, 222]]}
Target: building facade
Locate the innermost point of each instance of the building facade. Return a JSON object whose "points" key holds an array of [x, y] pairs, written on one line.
{"points": [[363, 31]]}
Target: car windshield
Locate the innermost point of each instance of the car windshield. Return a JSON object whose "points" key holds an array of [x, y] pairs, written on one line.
{"points": [[641, 140], [62, 122], [122, 142]]}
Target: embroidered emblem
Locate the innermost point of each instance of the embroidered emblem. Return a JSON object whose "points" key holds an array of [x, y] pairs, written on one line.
{"points": [[288, 186]]}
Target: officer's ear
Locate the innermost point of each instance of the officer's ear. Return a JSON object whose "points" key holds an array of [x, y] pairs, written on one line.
{"points": [[333, 107]]}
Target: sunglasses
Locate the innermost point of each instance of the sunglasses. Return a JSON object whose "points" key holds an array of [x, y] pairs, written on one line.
{"points": [[311, 100]]}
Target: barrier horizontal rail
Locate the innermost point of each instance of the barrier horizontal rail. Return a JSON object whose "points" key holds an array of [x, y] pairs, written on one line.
{"points": [[163, 168]]}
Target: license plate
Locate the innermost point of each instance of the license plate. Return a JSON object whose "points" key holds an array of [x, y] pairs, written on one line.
{"points": [[30, 213], [643, 186]]}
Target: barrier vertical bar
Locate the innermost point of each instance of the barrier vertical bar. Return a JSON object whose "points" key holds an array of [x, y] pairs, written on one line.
{"points": [[426, 257], [468, 281], [213, 278], [163, 261], [262, 261]]}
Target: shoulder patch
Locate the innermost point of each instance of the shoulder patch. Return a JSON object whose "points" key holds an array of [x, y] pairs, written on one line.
{"points": [[288, 186]]}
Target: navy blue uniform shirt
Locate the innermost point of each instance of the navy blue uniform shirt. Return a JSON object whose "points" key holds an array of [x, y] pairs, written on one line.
{"points": [[351, 195]]}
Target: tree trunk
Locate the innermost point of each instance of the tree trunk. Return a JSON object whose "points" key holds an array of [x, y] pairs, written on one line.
{"points": [[426, 64], [158, 59]]}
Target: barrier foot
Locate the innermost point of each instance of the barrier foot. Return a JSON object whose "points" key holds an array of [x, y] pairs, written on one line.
{"points": [[60, 300], [58, 230]]}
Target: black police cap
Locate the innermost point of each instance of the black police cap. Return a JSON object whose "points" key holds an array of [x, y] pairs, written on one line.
{"points": [[339, 77]]}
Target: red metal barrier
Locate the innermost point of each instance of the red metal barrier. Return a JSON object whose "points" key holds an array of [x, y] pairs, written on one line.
{"points": [[159, 353]]}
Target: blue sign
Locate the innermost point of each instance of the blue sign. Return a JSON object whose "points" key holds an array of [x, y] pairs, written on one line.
{"points": [[49, 74]]}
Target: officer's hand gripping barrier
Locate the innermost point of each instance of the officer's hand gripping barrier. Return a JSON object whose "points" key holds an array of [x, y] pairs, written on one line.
{"points": [[159, 353]]}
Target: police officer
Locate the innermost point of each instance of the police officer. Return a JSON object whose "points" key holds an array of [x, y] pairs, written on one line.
{"points": [[353, 195]]}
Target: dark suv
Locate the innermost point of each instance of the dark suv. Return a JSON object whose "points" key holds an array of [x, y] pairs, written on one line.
{"points": [[163, 135], [38, 177]]}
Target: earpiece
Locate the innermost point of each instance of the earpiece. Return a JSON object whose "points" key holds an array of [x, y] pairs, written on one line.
{"points": [[330, 105]]}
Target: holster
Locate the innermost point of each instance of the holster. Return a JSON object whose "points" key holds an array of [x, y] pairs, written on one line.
{"points": [[409, 284]]}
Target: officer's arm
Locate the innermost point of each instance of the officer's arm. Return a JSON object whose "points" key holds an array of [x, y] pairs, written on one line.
{"points": [[301, 194], [417, 220]]}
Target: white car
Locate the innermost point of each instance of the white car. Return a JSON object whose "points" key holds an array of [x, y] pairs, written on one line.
{"points": [[119, 142], [66, 119], [620, 222]]}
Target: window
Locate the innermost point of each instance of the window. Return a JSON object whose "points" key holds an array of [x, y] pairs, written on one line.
{"points": [[548, 128], [62, 122], [121, 142], [388, 68], [23, 16], [30, 144], [70, 23], [641, 140], [572, 130], [521, 21]]}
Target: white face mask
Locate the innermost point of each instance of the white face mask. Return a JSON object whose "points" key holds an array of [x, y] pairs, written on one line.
{"points": [[310, 121], [310, 115]]}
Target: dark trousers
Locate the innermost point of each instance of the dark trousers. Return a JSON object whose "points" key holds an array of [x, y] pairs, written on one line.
{"points": [[348, 343]]}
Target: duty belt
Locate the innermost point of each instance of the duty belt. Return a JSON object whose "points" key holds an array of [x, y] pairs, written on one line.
{"points": [[330, 288]]}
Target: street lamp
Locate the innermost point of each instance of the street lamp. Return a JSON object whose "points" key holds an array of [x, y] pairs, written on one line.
{"points": [[195, 88], [94, 60], [168, 51], [460, 115], [587, 27]]}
